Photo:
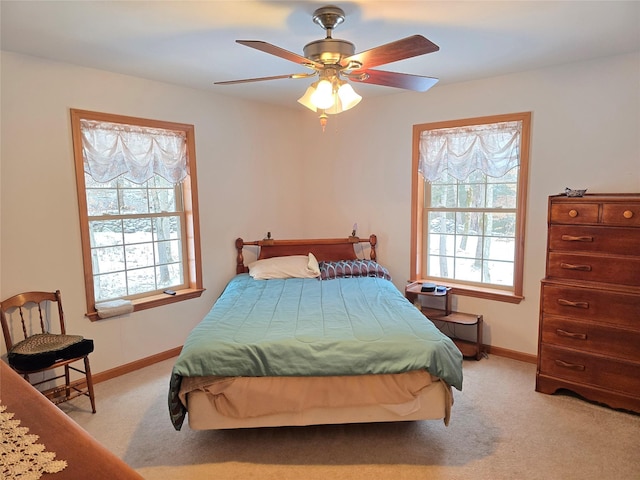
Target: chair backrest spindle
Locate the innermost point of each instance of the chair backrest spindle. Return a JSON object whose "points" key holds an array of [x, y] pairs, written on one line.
{"points": [[41, 318], [24, 325], [60, 312]]}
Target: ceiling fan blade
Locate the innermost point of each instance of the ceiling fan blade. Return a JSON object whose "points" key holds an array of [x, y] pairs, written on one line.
{"points": [[280, 52], [407, 81], [261, 79], [392, 52]]}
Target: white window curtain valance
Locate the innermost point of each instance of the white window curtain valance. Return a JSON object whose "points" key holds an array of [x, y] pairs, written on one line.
{"points": [[493, 149], [137, 153]]}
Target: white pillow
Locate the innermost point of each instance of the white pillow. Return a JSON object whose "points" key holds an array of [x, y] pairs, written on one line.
{"points": [[291, 266]]}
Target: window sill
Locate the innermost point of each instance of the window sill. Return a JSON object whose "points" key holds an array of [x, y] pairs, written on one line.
{"points": [[479, 292], [157, 301]]}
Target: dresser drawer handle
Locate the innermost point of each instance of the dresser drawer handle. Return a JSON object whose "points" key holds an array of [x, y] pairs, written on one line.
{"points": [[569, 303], [576, 336], [571, 266], [627, 214], [571, 366], [571, 238], [573, 213]]}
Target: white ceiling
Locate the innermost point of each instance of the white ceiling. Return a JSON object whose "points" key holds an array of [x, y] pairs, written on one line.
{"points": [[192, 43]]}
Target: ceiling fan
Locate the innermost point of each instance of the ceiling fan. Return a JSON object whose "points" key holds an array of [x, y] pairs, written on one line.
{"points": [[335, 62]]}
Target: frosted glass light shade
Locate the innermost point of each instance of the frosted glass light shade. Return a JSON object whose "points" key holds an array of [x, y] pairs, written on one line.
{"points": [[306, 98], [348, 97], [323, 97]]}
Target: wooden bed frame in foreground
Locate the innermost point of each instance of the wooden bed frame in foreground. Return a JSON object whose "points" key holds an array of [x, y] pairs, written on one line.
{"points": [[58, 433], [324, 249]]}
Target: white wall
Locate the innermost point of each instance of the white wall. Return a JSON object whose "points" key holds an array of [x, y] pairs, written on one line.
{"points": [[254, 159], [243, 158], [585, 134]]}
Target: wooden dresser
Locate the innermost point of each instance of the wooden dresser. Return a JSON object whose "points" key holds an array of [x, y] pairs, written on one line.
{"points": [[589, 339]]}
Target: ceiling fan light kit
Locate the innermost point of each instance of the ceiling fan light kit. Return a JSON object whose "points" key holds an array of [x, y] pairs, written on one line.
{"points": [[336, 63], [330, 94]]}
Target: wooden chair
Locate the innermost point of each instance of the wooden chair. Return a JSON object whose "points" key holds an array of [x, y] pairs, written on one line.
{"points": [[40, 350]]}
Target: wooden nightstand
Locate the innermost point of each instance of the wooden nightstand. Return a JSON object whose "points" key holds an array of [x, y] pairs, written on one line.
{"points": [[441, 317]]}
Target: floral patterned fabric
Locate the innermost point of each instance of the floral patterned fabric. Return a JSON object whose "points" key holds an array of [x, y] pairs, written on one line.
{"points": [[20, 456]]}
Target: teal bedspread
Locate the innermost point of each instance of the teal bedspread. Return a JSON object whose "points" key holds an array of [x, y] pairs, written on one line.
{"points": [[311, 327]]}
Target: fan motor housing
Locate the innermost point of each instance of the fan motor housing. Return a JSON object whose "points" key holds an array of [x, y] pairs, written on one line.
{"points": [[329, 51]]}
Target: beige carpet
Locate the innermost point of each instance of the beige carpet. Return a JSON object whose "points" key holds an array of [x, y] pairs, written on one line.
{"points": [[500, 429]]}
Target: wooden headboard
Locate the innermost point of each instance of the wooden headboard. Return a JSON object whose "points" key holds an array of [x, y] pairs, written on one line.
{"points": [[324, 249]]}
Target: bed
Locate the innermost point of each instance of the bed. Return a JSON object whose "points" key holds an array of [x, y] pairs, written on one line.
{"points": [[329, 340]]}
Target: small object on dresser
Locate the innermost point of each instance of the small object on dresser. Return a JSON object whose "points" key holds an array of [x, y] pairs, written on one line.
{"points": [[428, 287], [569, 192]]}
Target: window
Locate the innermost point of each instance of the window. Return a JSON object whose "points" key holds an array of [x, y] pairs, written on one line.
{"points": [[137, 196], [468, 204]]}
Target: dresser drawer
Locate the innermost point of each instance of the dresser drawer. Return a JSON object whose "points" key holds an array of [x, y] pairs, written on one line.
{"points": [[622, 241], [592, 305], [592, 268], [574, 213], [627, 214], [596, 370], [592, 337]]}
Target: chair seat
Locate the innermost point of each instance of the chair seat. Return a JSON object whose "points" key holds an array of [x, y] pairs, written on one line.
{"points": [[44, 349]]}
